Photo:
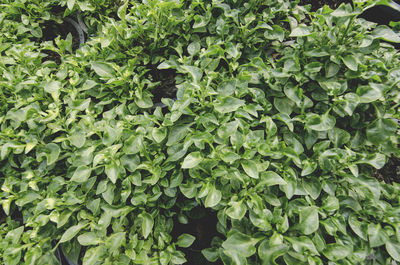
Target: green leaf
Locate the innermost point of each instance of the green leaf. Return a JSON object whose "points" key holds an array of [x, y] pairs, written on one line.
{"points": [[338, 137], [309, 221], [320, 123], [380, 130], [112, 171], [358, 228], [241, 244], [81, 174], [52, 87], [26, 197], [159, 134], [15, 235], [292, 93], [376, 235], [268, 254], [177, 133], [393, 248], [89, 239], [284, 105], [337, 252], [229, 104], [308, 167], [237, 210], [193, 48], [250, 167], [103, 69], [213, 198], [210, 254], [72, 232], [78, 138], [52, 153], [48, 258], [301, 31], [134, 144], [330, 204], [370, 93], [331, 70], [270, 178], [302, 244], [94, 255], [276, 33], [351, 62], [195, 72], [229, 157], [189, 190], [312, 186], [385, 33], [375, 160], [313, 67], [228, 129], [115, 241], [70, 4], [344, 11], [144, 101], [349, 103], [147, 224], [192, 160], [185, 240]]}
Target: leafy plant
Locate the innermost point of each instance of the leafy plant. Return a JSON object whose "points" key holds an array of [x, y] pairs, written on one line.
{"points": [[279, 119]]}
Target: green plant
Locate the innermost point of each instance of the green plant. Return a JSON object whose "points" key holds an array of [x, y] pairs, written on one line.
{"points": [[280, 117]]}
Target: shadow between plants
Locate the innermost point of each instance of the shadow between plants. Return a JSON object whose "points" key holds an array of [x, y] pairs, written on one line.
{"points": [[51, 30], [166, 88], [390, 172], [202, 224]]}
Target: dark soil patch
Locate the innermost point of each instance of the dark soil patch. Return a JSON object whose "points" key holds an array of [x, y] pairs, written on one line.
{"points": [[15, 216], [51, 30], [202, 224], [52, 56], [381, 15], [3, 216], [316, 4], [390, 172], [166, 87]]}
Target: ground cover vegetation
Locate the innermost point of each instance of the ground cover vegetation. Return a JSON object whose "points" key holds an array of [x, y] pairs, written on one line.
{"points": [[263, 118]]}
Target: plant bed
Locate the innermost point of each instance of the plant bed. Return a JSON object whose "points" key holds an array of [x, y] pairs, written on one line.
{"points": [[187, 132]]}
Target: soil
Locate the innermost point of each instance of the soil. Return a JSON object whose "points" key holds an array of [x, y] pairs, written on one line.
{"points": [[166, 88], [52, 56], [390, 172], [202, 224], [51, 30], [3, 216], [381, 15]]}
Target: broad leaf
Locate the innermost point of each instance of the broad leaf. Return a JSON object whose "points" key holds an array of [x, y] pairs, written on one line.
{"points": [[192, 160], [185, 240]]}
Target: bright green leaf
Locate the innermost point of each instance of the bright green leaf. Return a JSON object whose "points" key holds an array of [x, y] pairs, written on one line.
{"points": [[185, 240], [192, 160], [81, 174]]}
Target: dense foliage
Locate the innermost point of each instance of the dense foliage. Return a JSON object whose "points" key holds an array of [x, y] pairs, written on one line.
{"points": [[279, 119]]}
